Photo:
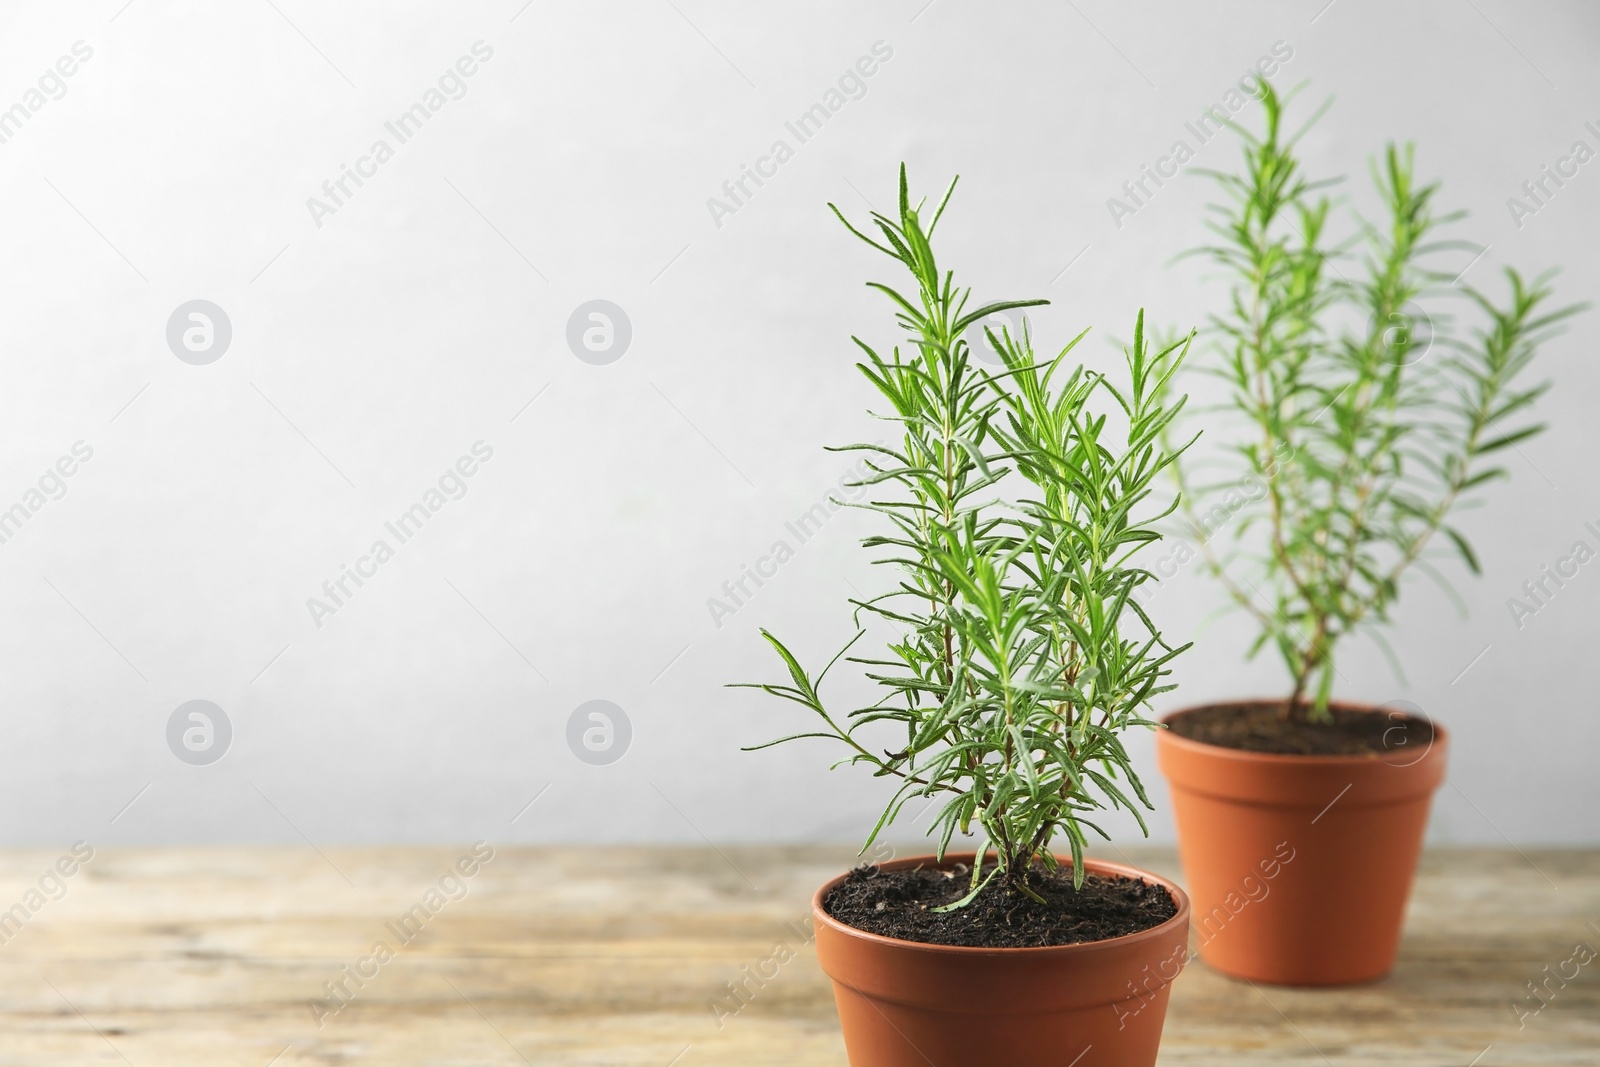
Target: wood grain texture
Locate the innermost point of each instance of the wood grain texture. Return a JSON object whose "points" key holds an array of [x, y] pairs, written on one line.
{"points": [[173, 957]]}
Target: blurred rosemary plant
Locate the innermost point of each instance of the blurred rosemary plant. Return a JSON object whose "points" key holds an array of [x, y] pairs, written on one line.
{"points": [[1367, 419], [1023, 654]]}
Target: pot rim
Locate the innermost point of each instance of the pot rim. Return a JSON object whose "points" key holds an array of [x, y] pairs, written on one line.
{"points": [[1441, 738], [1096, 866]]}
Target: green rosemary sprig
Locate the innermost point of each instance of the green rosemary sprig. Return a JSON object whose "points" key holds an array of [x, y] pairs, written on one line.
{"points": [[1013, 505]]}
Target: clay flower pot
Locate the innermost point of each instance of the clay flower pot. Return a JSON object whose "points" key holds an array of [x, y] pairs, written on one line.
{"points": [[907, 1004], [1299, 866]]}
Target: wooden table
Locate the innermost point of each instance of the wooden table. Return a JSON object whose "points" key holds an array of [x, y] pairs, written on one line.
{"points": [[172, 957]]}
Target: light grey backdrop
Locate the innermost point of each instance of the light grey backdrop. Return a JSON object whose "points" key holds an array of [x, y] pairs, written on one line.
{"points": [[377, 338]]}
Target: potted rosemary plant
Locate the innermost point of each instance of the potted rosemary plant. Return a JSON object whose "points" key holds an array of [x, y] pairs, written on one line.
{"points": [[1012, 506], [1357, 419]]}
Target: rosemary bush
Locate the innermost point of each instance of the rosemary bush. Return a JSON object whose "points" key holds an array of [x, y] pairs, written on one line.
{"points": [[1023, 654], [1367, 417]]}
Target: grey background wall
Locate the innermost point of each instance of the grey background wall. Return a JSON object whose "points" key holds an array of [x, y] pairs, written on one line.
{"points": [[381, 336]]}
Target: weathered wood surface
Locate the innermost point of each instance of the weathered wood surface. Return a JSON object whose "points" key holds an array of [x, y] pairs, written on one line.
{"points": [[173, 957]]}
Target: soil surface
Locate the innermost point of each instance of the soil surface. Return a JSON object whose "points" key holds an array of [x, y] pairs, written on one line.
{"points": [[900, 904], [1257, 728]]}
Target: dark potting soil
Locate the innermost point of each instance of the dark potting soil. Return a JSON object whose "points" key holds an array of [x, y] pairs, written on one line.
{"points": [[900, 904], [1258, 728]]}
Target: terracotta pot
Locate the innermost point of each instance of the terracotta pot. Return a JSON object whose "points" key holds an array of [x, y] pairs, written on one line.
{"points": [[1299, 866], [905, 1004]]}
